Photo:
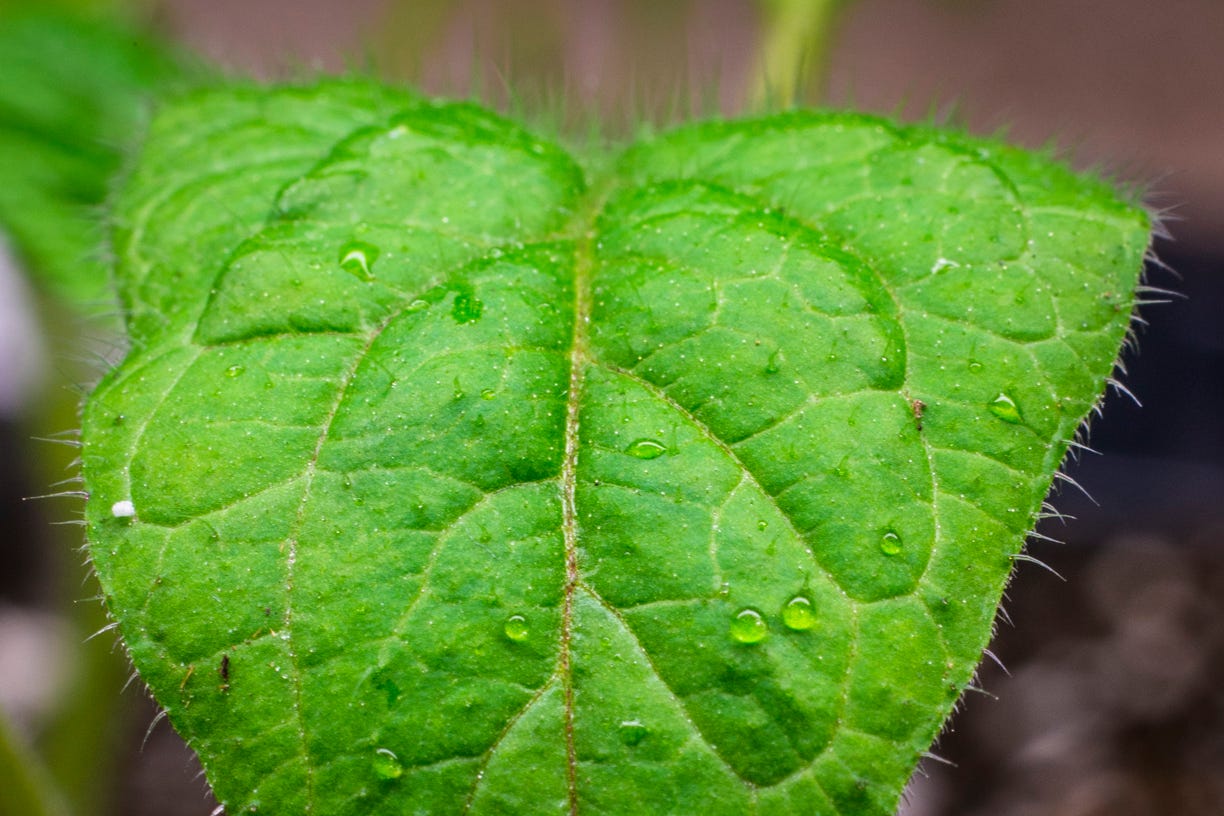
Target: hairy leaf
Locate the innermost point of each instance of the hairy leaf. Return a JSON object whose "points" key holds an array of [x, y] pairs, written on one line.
{"points": [[448, 477]]}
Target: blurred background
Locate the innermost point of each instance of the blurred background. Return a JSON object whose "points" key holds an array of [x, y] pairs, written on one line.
{"points": [[1111, 701]]}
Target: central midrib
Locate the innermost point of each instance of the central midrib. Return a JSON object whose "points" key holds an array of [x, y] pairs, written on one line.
{"points": [[569, 478]]}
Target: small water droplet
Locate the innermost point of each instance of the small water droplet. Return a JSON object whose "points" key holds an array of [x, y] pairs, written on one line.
{"points": [[774, 364], [890, 543], [798, 614], [488, 394], [646, 449], [516, 628], [387, 764], [235, 371], [975, 366], [357, 258], [466, 307], [417, 305], [632, 732], [762, 524], [749, 627], [1005, 408]]}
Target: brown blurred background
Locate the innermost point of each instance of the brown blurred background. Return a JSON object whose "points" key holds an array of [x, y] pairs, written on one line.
{"points": [[1114, 703]]}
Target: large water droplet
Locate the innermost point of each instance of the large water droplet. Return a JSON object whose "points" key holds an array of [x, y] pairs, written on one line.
{"points": [[357, 258], [890, 543], [646, 449], [798, 614], [749, 627], [1005, 408], [235, 371], [632, 732], [488, 394], [516, 628], [387, 764]]}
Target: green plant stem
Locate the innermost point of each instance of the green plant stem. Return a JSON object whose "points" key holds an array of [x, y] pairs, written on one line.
{"points": [[80, 739], [26, 785], [795, 40]]}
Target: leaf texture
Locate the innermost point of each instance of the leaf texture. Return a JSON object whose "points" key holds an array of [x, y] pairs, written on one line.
{"points": [[448, 476]]}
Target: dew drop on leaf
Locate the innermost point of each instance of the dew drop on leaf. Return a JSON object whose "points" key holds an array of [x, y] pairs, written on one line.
{"points": [[234, 371], [516, 628], [387, 764], [1005, 408], [466, 308], [890, 543], [357, 258], [975, 366], [646, 449], [488, 394], [798, 614], [749, 627], [632, 732]]}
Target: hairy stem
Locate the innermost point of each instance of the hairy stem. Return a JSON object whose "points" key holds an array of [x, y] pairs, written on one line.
{"points": [[794, 52]]}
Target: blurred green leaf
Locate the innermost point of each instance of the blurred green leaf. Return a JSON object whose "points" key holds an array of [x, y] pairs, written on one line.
{"points": [[73, 94]]}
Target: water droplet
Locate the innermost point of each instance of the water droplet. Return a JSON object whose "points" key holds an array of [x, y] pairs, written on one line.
{"points": [[357, 258], [632, 732], [749, 627], [762, 524], [466, 308], [516, 628], [975, 366], [1005, 408], [774, 364], [890, 543], [387, 764], [234, 371], [646, 449], [488, 394], [798, 614]]}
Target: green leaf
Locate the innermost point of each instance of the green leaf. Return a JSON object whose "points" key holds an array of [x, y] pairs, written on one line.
{"points": [[72, 95], [446, 476]]}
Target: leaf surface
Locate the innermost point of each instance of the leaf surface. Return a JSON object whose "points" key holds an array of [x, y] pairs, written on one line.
{"points": [[447, 476]]}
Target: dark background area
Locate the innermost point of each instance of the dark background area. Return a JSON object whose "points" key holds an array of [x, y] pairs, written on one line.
{"points": [[1114, 703]]}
